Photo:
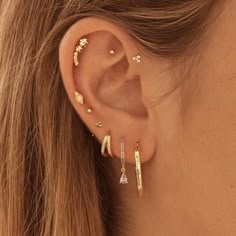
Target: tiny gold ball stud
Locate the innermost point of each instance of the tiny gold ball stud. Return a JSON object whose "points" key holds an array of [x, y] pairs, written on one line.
{"points": [[89, 110], [112, 52]]}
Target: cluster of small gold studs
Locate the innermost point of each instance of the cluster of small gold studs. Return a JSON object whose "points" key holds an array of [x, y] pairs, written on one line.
{"points": [[137, 58]]}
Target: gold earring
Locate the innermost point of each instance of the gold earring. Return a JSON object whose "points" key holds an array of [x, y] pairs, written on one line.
{"points": [[78, 48], [137, 58], [79, 98], [123, 178], [106, 146], [99, 124], [112, 52], [138, 171], [89, 110]]}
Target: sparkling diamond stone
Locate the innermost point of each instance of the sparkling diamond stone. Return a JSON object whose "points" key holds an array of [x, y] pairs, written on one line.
{"points": [[78, 49], [123, 179]]}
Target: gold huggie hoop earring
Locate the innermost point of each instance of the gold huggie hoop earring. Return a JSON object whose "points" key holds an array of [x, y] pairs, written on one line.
{"points": [[106, 146], [138, 171], [123, 178], [79, 47]]}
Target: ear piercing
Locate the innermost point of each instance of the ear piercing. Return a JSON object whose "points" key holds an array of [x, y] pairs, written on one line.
{"points": [[79, 47], [79, 98], [99, 124], [137, 58], [89, 110], [106, 146], [123, 178], [112, 52], [138, 170]]}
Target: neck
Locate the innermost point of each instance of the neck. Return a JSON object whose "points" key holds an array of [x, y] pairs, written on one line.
{"points": [[189, 183]]}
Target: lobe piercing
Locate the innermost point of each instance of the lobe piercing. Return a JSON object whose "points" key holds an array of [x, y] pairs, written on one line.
{"points": [[123, 178], [138, 170], [106, 146]]}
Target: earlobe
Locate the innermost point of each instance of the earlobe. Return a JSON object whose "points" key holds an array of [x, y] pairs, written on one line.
{"points": [[100, 71]]}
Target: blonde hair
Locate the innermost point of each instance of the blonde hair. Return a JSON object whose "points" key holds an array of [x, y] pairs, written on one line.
{"points": [[51, 181]]}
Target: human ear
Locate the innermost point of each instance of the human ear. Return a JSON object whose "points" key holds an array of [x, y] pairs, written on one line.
{"points": [[108, 76]]}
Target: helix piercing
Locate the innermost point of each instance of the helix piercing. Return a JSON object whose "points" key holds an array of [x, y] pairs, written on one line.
{"points": [[79, 47]]}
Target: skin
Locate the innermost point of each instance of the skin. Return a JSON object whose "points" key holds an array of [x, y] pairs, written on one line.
{"points": [[187, 139]]}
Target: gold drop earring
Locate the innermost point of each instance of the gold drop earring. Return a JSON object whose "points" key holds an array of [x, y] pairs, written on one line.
{"points": [[138, 170], [123, 178]]}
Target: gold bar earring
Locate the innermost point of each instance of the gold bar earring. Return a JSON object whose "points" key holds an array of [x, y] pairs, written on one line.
{"points": [[106, 146], [138, 171]]}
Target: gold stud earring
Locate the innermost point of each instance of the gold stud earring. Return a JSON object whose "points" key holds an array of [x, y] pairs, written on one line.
{"points": [[112, 52], [137, 58], [89, 110], [99, 124], [78, 48], [79, 98], [123, 178], [138, 170], [106, 146]]}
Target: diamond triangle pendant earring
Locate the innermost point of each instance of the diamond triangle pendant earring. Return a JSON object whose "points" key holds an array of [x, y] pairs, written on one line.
{"points": [[123, 178]]}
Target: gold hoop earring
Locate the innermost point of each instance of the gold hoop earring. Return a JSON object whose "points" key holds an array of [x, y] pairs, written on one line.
{"points": [[106, 146], [123, 178], [138, 171]]}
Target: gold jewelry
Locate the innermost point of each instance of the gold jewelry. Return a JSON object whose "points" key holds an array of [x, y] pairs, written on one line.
{"points": [[106, 146], [89, 110], [112, 52], [123, 178], [79, 98], [99, 124], [137, 58], [78, 48], [138, 171]]}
